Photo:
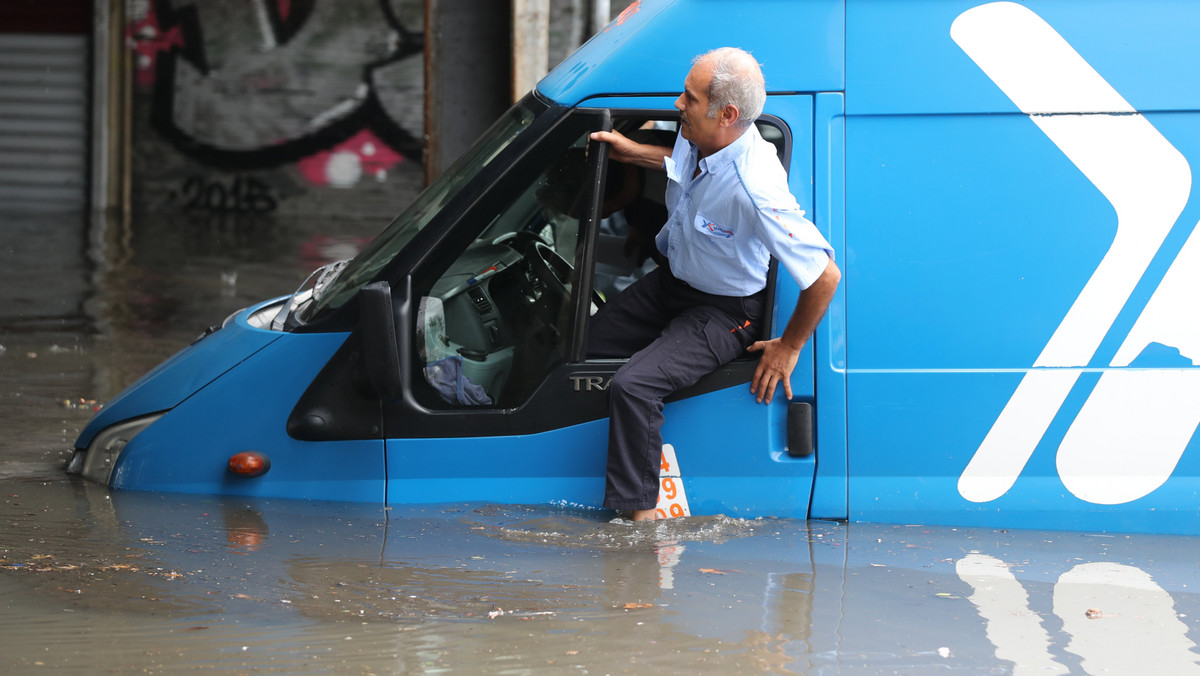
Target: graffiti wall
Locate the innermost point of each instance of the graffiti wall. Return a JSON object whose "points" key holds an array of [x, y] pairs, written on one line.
{"points": [[276, 108]]}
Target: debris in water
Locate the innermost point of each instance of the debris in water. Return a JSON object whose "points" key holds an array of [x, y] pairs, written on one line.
{"points": [[80, 403]]}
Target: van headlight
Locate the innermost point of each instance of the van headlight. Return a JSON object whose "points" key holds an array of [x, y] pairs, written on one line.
{"points": [[102, 453]]}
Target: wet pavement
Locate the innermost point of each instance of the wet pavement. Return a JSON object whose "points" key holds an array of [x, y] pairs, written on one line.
{"points": [[100, 582]]}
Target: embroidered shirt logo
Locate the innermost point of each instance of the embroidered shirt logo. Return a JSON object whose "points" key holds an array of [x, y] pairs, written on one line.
{"points": [[717, 230]]}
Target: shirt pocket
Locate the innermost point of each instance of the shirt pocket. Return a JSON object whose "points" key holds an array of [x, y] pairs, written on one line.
{"points": [[714, 238]]}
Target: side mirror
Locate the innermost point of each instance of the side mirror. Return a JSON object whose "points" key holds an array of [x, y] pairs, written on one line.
{"points": [[381, 350]]}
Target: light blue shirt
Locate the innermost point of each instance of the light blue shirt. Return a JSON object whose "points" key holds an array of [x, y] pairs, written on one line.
{"points": [[727, 222]]}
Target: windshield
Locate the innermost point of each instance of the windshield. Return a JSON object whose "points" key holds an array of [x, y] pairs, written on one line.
{"points": [[383, 249]]}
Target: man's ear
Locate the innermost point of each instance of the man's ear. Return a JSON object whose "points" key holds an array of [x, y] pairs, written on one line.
{"points": [[730, 115]]}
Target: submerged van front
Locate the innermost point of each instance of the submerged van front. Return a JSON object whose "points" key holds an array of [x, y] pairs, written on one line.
{"points": [[1007, 186]]}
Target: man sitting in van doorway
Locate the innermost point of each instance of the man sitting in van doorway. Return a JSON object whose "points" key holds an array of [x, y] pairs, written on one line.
{"points": [[730, 210]]}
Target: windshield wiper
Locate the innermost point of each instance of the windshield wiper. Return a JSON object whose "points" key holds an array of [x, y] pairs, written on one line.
{"points": [[311, 288]]}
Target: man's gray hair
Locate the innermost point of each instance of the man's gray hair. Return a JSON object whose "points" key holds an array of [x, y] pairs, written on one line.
{"points": [[736, 80]]}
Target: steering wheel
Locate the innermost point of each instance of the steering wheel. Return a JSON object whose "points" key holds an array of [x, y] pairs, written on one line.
{"points": [[555, 272], [519, 239], [552, 269]]}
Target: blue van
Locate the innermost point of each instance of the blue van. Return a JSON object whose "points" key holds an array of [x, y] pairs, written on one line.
{"points": [[1008, 190]]}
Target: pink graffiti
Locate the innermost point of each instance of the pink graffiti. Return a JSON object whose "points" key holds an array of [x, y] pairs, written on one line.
{"points": [[147, 39], [344, 165]]}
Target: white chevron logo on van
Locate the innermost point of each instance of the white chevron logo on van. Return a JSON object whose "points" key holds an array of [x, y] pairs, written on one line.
{"points": [[1133, 428]]}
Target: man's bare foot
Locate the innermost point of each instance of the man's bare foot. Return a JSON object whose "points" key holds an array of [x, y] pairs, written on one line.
{"points": [[644, 515]]}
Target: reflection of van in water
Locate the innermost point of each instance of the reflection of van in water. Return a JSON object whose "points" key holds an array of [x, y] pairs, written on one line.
{"points": [[1007, 189]]}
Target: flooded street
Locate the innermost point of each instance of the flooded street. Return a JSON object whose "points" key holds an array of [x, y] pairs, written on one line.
{"points": [[99, 582]]}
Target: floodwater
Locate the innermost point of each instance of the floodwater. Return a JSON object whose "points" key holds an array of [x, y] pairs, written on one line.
{"points": [[93, 582]]}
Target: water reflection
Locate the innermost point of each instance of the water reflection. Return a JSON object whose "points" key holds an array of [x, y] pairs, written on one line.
{"points": [[1015, 630], [296, 586], [1135, 612]]}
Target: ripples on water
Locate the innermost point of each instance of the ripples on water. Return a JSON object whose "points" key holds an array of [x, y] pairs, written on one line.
{"points": [[93, 581], [96, 581]]}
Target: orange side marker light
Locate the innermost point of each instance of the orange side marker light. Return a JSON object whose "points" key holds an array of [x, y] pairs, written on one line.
{"points": [[249, 464]]}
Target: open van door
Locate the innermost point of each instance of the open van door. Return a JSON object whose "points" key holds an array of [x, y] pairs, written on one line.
{"points": [[500, 402]]}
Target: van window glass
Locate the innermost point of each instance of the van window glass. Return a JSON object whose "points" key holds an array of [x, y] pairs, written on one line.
{"points": [[384, 248], [490, 326]]}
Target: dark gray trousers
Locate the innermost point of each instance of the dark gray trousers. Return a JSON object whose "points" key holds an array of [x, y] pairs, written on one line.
{"points": [[673, 335]]}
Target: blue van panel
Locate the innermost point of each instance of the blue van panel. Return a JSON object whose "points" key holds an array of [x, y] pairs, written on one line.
{"points": [[973, 240], [731, 454], [246, 410], [800, 44], [830, 499], [988, 245], [900, 57], [917, 431]]}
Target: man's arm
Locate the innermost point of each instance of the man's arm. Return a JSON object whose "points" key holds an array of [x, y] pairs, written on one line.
{"points": [[631, 152], [779, 355]]}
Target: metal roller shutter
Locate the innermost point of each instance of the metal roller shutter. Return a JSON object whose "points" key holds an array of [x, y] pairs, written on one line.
{"points": [[43, 122]]}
